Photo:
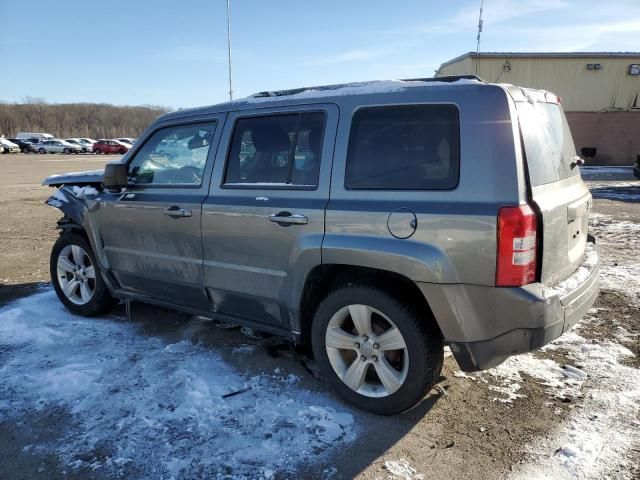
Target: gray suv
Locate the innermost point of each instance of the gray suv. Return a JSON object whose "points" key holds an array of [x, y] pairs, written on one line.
{"points": [[376, 222]]}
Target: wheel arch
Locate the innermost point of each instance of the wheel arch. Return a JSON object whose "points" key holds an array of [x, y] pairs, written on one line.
{"points": [[325, 278]]}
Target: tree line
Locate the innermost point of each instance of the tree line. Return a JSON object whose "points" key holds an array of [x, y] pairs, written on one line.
{"points": [[64, 120]]}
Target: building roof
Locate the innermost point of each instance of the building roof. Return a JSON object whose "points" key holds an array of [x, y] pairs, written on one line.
{"points": [[543, 55]]}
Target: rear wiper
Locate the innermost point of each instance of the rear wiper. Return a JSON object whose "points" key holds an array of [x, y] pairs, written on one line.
{"points": [[576, 161]]}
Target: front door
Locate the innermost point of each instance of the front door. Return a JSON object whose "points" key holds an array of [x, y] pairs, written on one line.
{"points": [[263, 221], [151, 232]]}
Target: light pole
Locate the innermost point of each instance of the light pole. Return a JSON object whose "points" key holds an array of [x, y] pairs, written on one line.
{"points": [[229, 48]]}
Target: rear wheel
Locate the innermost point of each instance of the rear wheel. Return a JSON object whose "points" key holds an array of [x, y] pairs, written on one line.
{"points": [[376, 352], [67, 151], [122, 151], [97, 151], [42, 150], [76, 276]]}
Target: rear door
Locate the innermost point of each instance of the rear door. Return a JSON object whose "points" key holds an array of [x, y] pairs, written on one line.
{"points": [[556, 185], [263, 221]]}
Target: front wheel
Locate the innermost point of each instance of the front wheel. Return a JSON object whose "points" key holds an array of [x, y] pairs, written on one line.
{"points": [[76, 276], [122, 151], [67, 151], [97, 151], [42, 150], [376, 352]]}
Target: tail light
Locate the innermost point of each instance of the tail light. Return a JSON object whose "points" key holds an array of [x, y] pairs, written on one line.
{"points": [[517, 243]]}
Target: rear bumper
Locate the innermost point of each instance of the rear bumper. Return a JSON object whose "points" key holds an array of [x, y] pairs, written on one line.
{"points": [[486, 325]]}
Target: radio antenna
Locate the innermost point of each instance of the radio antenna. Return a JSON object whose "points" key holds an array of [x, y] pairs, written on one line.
{"points": [[229, 47], [479, 32]]}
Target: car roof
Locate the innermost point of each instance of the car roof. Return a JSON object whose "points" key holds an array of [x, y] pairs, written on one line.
{"points": [[329, 93]]}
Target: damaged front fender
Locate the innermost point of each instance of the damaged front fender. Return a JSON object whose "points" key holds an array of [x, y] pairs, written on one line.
{"points": [[77, 203]]}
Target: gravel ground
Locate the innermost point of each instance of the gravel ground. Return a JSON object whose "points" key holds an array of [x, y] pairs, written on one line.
{"points": [[107, 398]]}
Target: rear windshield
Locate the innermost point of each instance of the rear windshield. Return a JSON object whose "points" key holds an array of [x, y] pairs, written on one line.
{"points": [[547, 141]]}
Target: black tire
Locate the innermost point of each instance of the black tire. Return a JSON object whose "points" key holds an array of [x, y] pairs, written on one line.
{"points": [[42, 150], [122, 151], [97, 151], [67, 151], [423, 340], [102, 301]]}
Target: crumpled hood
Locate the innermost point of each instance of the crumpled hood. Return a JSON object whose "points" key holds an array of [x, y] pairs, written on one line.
{"points": [[75, 178]]}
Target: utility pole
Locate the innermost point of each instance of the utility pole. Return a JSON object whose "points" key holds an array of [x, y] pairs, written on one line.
{"points": [[229, 48], [478, 38]]}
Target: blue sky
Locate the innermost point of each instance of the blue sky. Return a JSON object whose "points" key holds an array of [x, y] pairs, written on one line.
{"points": [[174, 53]]}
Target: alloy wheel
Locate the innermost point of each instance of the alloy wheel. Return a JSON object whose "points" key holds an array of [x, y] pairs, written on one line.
{"points": [[367, 351], [76, 274]]}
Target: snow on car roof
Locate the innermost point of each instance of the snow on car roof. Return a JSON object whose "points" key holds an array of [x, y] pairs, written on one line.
{"points": [[328, 91]]}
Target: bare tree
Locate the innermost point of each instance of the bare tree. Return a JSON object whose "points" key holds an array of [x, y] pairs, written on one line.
{"points": [[76, 119]]}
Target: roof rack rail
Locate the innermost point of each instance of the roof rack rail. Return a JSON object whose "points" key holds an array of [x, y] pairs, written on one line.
{"points": [[446, 78], [294, 91]]}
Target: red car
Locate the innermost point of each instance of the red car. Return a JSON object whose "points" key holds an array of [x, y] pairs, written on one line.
{"points": [[110, 146]]}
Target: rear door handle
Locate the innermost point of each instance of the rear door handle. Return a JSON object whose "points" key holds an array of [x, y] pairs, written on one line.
{"points": [[177, 212], [287, 218]]}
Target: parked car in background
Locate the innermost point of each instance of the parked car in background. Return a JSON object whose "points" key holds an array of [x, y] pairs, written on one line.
{"points": [[127, 140], [36, 135], [8, 146], [85, 146], [110, 146], [57, 146], [25, 145], [375, 222], [89, 140]]}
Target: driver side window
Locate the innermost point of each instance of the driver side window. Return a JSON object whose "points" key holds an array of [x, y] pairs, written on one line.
{"points": [[173, 156]]}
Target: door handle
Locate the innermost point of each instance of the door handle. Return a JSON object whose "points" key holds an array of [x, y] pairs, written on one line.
{"points": [[286, 218], [177, 212]]}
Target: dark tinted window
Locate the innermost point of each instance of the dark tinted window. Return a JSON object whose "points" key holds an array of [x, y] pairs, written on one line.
{"points": [[278, 149], [548, 143], [413, 147]]}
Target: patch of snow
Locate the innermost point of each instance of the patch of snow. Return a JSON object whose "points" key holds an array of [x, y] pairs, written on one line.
{"points": [[243, 349], [622, 191], [400, 469], [60, 195], [83, 192], [618, 271], [595, 439], [579, 276], [593, 169], [358, 88], [561, 381], [156, 406]]}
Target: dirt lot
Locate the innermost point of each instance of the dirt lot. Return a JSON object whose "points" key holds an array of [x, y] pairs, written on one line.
{"points": [[107, 398]]}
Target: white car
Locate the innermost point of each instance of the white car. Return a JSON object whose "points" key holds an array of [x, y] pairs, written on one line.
{"points": [[57, 146], [128, 140], [85, 145], [8, 147]]}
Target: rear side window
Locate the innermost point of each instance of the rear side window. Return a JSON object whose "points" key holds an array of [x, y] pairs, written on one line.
{"points": [[411, 147], [277, 150], [548, 143]]}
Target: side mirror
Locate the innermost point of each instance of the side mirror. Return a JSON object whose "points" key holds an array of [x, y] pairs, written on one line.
{"points": [[115, 175]]}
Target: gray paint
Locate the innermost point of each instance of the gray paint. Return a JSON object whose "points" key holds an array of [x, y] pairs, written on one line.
{"points": [[229, 259]]}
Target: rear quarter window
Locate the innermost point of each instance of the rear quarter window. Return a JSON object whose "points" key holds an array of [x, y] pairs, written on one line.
{"points": [[405, 147]]}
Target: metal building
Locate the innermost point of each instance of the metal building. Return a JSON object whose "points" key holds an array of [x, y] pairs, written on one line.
{"points": [[600, 93]]}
